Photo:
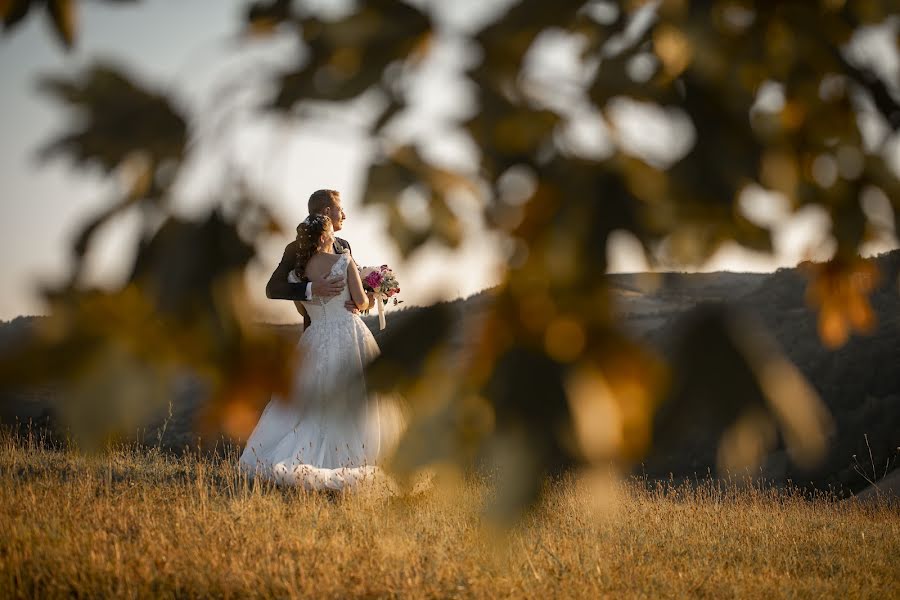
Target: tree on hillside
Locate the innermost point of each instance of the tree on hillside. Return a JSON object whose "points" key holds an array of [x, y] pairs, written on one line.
{"points": [[769, 93]]}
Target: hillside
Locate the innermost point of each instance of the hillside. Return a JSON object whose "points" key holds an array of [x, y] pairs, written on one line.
{"points": [[860, 382]]}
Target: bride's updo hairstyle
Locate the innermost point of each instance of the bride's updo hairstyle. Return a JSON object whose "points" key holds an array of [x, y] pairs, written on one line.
{"points": [[309, 235]]}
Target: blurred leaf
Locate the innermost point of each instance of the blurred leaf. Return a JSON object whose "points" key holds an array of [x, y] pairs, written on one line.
{"points": [[63, 16], [731, 380], [264, 16], [407, 345], [884, 101], [393, 108], [532, 419], [62, 12], [350, 55], [117, 119], [183, 310], [840, 290], [184, 264], [506, 41], [13, 11], [508, 134], [403, 170]]}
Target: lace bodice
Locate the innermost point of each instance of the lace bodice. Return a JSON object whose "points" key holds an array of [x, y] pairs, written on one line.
{"points": [[324, 310]]}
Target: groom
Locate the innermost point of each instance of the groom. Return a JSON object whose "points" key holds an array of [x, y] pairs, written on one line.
{"points": [[321, 202]]}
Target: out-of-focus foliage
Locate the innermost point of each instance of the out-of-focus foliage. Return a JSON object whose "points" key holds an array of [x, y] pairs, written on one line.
{"points": [[840, 289], [63, 15], [120, 124], [181, 310], [553, 380]]}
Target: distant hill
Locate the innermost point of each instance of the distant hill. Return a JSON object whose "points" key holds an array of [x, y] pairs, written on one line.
{"points": [[860, 382]]}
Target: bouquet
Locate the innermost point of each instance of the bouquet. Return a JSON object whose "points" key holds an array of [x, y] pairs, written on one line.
{"points": [[383, 283]]}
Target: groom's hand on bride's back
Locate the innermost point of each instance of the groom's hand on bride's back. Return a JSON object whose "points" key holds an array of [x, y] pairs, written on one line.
{"points": [[327, 287]]}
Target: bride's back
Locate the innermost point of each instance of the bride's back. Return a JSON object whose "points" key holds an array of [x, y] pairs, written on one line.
{"points": [[325, 265], [320, 265]]}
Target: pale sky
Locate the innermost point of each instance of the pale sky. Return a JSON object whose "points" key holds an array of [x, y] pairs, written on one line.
{"points": [[189, 48]]}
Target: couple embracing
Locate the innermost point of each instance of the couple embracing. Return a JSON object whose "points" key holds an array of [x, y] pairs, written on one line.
{"points": [[331, 433]]}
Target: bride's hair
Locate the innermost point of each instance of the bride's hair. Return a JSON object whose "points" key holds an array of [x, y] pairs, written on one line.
{"points": [[309, 232]]}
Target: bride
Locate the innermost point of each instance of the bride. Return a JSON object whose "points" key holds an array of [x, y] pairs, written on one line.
{"points": [[330, 434]]}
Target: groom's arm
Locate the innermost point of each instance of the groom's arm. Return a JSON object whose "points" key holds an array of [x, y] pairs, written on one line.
{"points": [[279, 288]]}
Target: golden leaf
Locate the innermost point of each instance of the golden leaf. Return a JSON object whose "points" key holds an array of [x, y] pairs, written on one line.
{"points": [[64, 15], [839, 289], [564, 339], [596, 414], [673, 48], [833, 329]]}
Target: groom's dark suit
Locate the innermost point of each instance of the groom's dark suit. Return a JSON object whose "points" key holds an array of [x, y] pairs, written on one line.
{"points": [[279, 288]]}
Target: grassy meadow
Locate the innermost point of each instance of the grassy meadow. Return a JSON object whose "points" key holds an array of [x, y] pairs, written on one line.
{"points": [[140, 523]]}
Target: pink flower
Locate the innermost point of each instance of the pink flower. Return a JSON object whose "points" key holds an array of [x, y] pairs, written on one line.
{"points": [[373, 279]]}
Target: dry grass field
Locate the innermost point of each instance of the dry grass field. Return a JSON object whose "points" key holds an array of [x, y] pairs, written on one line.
{"points": [[142, 524]]}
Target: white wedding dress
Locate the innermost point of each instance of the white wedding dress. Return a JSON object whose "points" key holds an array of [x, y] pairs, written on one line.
{"points": [[331, 433]]}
